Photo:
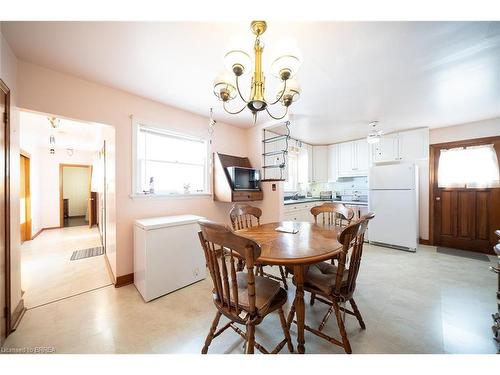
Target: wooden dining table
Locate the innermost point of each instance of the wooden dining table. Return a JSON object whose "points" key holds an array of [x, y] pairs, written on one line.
{"points": [[312, 243]]}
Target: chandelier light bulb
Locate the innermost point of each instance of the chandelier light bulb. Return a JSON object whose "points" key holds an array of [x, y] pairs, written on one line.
{"points": [[285, 67], [291, 94], [224, 86], [238, 63]]}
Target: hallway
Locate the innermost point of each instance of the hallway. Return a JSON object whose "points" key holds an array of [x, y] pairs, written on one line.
{"points": [[49, 275]]}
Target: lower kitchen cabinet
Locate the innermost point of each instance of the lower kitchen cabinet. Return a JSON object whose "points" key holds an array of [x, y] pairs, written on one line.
{"points": [[299, 212]]}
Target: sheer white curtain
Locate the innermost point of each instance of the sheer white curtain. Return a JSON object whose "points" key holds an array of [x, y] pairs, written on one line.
{"points": [[470, 167]]}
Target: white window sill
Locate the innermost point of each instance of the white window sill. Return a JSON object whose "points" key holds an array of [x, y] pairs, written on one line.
{"points": [[169, 196]]}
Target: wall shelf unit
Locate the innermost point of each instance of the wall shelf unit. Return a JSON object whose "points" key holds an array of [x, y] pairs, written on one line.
{"points": [[275, 154]]}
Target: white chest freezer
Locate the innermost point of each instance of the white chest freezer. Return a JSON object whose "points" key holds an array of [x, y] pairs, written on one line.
{"points": [[167, 254]]}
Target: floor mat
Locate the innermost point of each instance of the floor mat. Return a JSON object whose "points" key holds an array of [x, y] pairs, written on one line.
{"points": [[463, 253], [87, 253]]}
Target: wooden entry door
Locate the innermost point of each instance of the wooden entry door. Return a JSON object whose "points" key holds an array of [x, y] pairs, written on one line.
{"points": [[25, 198], [464, 218], [4, 213]]}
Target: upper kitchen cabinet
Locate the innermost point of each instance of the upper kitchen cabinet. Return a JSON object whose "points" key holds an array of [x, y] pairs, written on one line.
{"points": [[333, 169], [362, 156], [413, 144], [353, 158], [386, 149], [320, 163], [403, 146]]}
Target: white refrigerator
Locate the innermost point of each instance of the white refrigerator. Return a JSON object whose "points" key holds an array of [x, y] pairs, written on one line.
{"points": [[393, 197]]}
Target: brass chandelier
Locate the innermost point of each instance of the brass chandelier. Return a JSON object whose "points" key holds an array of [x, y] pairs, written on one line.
{"points": [[226, 85]]}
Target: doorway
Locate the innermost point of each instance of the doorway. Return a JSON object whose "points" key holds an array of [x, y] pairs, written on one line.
{"points": [[5, 312], [68, 170], [76, 202], [25, 197], [465, 194]]}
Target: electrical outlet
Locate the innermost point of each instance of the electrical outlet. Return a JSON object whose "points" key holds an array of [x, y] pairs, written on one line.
{"points": [[196, 271]]}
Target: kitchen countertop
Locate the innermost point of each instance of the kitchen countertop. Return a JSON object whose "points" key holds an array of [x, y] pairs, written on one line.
{"points": [[309, 200]]}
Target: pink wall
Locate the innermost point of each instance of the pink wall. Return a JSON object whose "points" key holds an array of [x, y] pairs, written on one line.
{"points": [[48, 91], [8, 73]]}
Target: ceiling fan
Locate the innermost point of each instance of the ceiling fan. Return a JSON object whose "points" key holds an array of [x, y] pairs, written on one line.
{"points": [[374, 134]]}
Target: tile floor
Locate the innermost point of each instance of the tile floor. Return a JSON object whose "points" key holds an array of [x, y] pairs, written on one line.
{"points": [[75, 221], [425, 302], [47, 274]]}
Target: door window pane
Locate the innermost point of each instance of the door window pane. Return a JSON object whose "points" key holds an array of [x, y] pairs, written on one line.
{"points": [[469, 167]]}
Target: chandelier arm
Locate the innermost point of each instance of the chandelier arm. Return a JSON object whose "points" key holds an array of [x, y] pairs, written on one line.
{"points": [[232, 113], [277, 118], [239, 92], [282, 93]]}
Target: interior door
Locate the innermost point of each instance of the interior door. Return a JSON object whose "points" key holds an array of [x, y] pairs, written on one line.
{"points": [[4, 213], [25, 198], [90, 207], [464, 218]]}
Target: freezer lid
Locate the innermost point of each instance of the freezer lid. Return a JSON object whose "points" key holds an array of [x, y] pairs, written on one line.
{"points": [[399, 176], [166, 221]]}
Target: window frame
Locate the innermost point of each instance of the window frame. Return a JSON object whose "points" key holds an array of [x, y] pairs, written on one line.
{"points": [[136, 192]]}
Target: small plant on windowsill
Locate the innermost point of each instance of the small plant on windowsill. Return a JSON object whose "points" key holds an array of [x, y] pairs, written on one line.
{"points": [[187, 186]]}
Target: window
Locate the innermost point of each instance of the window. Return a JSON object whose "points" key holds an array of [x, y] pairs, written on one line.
{"points": [[169, 163], [468, 167], [291, 182]]}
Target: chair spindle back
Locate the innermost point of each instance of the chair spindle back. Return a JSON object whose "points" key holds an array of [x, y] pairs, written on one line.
{"points": [[244, 216], [333, 214], [214, 239], [351, 238]]}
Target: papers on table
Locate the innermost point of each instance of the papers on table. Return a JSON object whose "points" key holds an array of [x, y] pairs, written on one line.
{"points": [[288, 228]]}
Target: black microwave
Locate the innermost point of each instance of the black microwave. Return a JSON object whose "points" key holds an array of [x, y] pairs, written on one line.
{"points": [[244, 178]]}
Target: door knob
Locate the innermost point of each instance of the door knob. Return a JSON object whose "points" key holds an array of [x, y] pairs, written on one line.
{"points": [[438, 198]]}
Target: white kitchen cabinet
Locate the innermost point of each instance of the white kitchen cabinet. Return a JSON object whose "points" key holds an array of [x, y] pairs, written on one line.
{"points": [[320, 163], [403, 146], [362, 156], [333, 163], [413, 145], [353, 159], [298, 212], [345, 158], [386, 149]]}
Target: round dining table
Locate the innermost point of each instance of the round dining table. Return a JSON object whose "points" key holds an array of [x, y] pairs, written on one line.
{"points": [[313, 243]]}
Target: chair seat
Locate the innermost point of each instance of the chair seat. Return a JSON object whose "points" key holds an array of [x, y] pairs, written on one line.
{"points": [[322, 277], [265, 292]]}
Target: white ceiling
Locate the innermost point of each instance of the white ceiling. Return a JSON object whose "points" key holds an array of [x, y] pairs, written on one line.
{"points": [[35, 130], [404, 74]]}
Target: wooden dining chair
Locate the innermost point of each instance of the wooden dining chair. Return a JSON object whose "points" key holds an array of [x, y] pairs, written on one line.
{"points": [[333, 214], [242, 297], [335, 285], [336, 214], [245, 216]]}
